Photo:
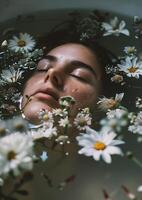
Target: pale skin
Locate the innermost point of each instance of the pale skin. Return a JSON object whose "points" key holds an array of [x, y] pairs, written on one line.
{"points": [[70, 69]]}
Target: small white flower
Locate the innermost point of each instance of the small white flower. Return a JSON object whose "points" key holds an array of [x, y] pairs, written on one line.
{"points": [[137, 126], [117, 113], [46, 117], [43, 132], [18, 123], [82, 120], [115, 28], [110, 103], [24, 42], [64, 122], [99, 144], [60, 112], [66, 101], [116, 119], [10, 75], [130, 50], [139, 102], [111, 123], [49, 131], [16, 152], [131, 67]]}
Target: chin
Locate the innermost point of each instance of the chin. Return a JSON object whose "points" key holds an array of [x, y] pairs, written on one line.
{"points": [[32, 109]]}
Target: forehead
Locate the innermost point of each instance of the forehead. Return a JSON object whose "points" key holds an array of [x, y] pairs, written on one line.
{"points": [[73, 51]]}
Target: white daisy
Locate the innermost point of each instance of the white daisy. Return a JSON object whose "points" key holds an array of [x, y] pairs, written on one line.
{"points": [[46, 117], [117, 113], [137, 126], [17, 123], [110, 103], [130, 50], [64, 122], [42, 132], [60, 112], [24, 42], [10, 75], [66, 101], [116, 119], [16, 153], [82, 120], [115, 28], [131, 67], [139, 102], [99, 144]]}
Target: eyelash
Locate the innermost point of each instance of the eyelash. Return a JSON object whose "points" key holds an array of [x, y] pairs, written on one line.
{"points": [[78, 77], [42, 70]]}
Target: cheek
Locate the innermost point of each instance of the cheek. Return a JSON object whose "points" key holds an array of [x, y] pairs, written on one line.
{"points": [[84, 96], [31, 85]]}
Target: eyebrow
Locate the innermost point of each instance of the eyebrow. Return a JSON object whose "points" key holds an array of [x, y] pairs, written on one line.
{"points": [[73, 62]]}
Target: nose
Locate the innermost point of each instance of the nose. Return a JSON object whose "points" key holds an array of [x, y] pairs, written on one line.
{"points": [[55, 76]]}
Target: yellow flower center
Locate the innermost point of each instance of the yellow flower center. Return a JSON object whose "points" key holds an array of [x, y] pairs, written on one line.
{"points": [[19, 126], [11, 155], [132, 69], [21, 43], [82, 122], [99, 146], [111, 103], [2, 130], [45, 117], [117, 78]]}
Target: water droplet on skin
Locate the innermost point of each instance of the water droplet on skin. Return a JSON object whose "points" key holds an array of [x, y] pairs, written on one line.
{"points": [[75, 90]]}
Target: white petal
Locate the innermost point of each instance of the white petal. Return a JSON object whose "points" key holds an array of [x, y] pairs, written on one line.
{"points": [[109, 137], [119, 97], [106, 157], [96, 155], [113, 150], [122, 25], [116, 142], [106, 26], [86, 151], [125, 32]]}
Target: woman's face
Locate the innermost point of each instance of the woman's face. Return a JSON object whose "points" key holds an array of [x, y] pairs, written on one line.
{"points": [[70, 69]]}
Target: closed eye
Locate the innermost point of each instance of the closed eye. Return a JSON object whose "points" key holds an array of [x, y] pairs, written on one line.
{"points": [[41, 70], [79, 78]]}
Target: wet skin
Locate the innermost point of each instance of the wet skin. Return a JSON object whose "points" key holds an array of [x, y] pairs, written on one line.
{"points": [[69, 69]]}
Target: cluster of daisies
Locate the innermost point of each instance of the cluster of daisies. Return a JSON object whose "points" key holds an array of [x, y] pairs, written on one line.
{"points": [[18, 58], [18, 138]]}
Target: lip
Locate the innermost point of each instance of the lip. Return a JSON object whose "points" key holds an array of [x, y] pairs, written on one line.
{"points": [[48, 95]]}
